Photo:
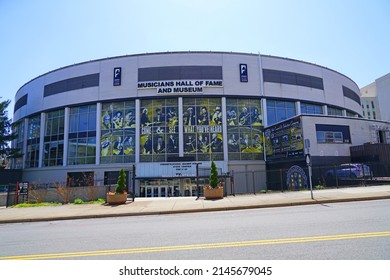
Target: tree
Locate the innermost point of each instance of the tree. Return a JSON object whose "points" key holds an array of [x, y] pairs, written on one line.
{"points": [[6, 134], [121, 182], [213, 176]]}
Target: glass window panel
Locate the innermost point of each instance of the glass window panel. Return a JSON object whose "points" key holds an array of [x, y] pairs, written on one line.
{"points": [[54, 126], [335, 111], [317, 83], [92, 121], [290, 105], [290, 113], [48, 128], [33, 136], [92, 108], [271, 116], [61, 124], [280, 104], [83, 110], [271, 103], [272, 76], [288, 78], [73, 123], [83, 122], [281, 114]]}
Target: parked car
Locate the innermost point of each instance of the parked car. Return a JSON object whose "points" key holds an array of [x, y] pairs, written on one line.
{"points": [[3, 188], [349, 171]]}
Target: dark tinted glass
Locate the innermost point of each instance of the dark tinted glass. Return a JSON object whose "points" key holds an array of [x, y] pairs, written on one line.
{"points": [[86, 81], [180, 73], [290, 78]]}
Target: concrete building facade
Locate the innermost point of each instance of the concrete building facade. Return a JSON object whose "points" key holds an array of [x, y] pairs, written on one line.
{"points": [[376, 99], [166, 113]]}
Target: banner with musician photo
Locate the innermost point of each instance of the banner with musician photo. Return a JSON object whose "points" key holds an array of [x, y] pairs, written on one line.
{"points": [[117, 143], [118, 115], [106, 145], [244, 124], [159, 127], [202, 120]]}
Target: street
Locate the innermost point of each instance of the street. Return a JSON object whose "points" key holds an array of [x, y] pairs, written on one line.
{"points": [[352, 231]]}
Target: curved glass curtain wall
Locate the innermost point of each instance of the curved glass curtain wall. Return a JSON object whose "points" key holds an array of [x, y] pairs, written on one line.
{"points": [[279, 111], [18, 129], [82, 135], [53, 152], [33, 138]]}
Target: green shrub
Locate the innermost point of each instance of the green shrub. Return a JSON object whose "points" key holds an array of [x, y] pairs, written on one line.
{"points": [[26, 204], [319, 187], [100, 200], [78, 201]]}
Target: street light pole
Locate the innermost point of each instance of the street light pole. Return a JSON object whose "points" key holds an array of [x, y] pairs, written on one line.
{"points": [[308, 162], [133, 183], [197, 179]]}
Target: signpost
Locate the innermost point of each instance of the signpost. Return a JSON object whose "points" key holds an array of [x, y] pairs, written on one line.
{"points": [[22, 191], [308, 163]]}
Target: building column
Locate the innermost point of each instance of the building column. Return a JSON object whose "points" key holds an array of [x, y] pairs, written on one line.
{"points": [[325, 110], [137, 130], [224, 131], [264, 123], [181, 130], [261, 76], [41, 139], [66, 136], [298, 108], [264, 111], [98, 131]]}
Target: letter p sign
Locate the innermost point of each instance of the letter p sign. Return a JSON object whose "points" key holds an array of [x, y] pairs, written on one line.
{"points": [[243, 73], [117, 76]]}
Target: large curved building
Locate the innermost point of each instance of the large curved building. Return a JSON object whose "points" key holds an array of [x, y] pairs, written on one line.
{"points": [[165, 112]]}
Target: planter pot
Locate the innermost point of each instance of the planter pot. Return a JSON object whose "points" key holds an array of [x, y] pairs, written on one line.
{"points": [[216, 193], [118, 198]]}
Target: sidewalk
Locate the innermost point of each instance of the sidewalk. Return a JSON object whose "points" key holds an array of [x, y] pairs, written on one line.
{"points": [[159, 206]]}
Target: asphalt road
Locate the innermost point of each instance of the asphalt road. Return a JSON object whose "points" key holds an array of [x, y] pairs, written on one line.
{"points": [[354, 230]]}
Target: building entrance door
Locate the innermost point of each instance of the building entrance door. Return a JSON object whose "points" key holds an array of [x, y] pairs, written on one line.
{"points": [[157, 191], [169, 187]]}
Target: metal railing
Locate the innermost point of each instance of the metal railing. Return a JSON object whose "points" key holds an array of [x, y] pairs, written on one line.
{"points": [[330, 176]]}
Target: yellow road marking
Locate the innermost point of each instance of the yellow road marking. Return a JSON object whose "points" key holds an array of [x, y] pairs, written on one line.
{"points": [[200, 246]]}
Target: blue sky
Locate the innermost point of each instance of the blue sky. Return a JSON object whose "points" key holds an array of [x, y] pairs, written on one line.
{"points": [[351, 37]]}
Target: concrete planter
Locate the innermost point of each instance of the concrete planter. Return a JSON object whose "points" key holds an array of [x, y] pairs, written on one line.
{"points": [[216, 193], [117, 198]]}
